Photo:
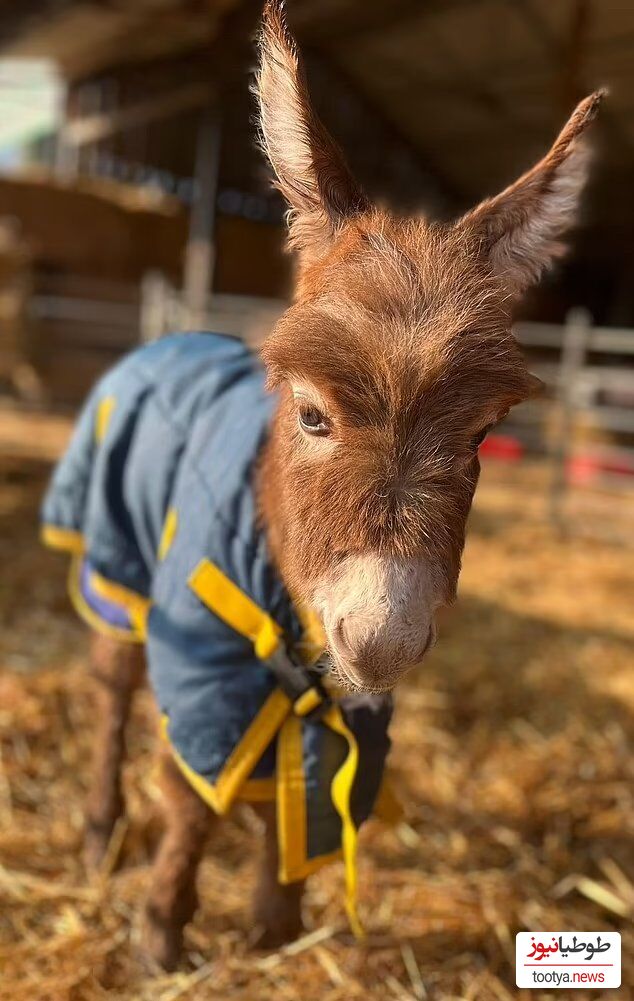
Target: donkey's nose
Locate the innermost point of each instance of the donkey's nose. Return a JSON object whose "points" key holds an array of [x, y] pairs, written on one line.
{"points": [[344, 637], [368, 650], [354, 634]]}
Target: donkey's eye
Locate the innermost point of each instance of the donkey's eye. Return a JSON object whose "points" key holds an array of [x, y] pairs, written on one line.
{"points": [[313, 421]]}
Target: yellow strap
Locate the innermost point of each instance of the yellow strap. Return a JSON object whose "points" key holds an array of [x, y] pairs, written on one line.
{"points": [[167, 535], [244, 757], [292, 818], [102, 419], [291, 801], [258, 790], [341, 791], [305, 704], [233, 606]]}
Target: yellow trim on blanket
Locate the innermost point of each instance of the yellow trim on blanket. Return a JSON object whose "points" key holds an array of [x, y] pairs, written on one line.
{"points": [[70, 541], [226, 600], [66, 539], [168, 534], [244, 757], [89, 615], [341, 792], [200, 785], [135, 604], [253, 790], [255, 740], [105, 408]]}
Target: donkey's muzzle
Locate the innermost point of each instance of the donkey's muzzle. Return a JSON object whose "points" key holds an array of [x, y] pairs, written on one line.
{"points": [[376, 664], [378, 614]]}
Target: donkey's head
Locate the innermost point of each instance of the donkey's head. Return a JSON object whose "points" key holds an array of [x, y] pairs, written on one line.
{"points": [[393, 362]]}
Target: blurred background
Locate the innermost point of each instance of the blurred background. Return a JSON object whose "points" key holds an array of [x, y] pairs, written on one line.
{"points": [[133, 201]]}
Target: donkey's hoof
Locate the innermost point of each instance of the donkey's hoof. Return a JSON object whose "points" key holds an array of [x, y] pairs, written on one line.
{"points": [[274, 926], [273, 938], [161, 943]]}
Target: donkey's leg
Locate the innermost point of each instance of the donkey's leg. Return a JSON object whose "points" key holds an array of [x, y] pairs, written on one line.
{"points": [[118, 669], [277, 909], [173, 899]]}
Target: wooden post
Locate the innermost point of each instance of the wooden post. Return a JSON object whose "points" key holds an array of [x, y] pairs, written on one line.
{"points": [[200, 252], [153, 307], [573, 355], [66, 156]]}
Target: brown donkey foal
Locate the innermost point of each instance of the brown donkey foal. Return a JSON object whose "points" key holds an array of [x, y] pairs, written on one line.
{"points": [[392, 363]]}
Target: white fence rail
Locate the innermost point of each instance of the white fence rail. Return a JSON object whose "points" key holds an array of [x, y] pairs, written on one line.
{"points": [[584, 423]]}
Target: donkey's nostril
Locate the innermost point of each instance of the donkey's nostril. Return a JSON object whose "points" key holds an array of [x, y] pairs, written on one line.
{"points": [[429, 642], [342, 638]]}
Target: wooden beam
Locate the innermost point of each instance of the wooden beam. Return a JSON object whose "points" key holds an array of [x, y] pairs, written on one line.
{"points": [[19, 18], [93, 128], [431, 185], [366, 20], [219, 65], [556, 48]]}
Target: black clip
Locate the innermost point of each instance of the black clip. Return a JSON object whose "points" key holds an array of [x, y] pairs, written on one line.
{"points": [[296, 680]]}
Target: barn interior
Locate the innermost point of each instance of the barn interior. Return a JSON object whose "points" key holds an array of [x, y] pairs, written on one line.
{"points": [[435, 103]]}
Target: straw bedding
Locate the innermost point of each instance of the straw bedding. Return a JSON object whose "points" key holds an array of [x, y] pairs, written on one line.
{"points": [[512, 757]]}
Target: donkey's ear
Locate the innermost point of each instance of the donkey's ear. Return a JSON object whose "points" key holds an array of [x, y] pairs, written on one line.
{"points": [[520, 229], [310, 169]]}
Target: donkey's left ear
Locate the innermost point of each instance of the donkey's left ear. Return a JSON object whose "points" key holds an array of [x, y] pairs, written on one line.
{"points": [[520, 229], [310, 169]]}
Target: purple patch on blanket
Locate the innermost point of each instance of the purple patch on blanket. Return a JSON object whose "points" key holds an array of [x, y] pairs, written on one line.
{"points": [[112, 612]]}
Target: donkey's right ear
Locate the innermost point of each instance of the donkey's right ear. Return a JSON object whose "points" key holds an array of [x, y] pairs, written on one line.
{"points": [[309, 166]]}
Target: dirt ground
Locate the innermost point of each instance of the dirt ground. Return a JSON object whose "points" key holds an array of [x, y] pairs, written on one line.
{"points": [[512, 757]]}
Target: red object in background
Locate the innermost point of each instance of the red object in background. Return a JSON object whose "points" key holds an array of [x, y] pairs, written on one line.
{"points": [[586, 467], [501, 446]]}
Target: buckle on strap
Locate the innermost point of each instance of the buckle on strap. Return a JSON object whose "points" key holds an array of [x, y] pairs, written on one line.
{"points": [[302, 684]]}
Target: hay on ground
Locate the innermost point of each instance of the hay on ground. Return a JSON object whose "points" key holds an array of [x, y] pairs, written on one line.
{"points": [[512, 756]]}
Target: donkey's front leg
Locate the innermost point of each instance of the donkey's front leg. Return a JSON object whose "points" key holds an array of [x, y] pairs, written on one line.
{"points": [[118, 669], [173, 899], [277, 909]]}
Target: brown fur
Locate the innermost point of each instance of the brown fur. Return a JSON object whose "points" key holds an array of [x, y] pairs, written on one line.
{"points": [[118, 670], [172, 899]]}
